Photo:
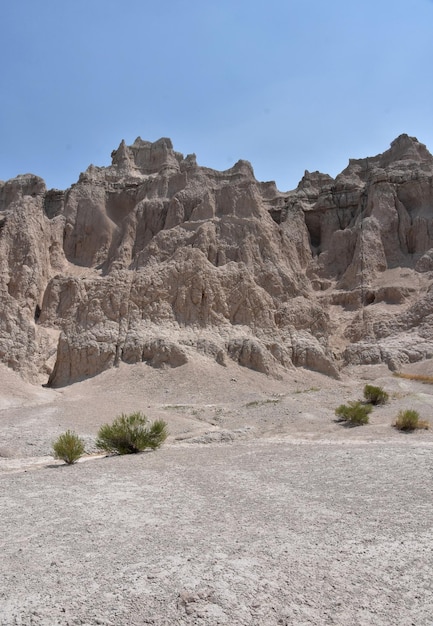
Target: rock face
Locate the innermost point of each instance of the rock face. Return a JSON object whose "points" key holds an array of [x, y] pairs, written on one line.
{"points": [[155, 259]]}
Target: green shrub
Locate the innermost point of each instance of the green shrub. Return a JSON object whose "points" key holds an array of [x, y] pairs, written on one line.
{"points": [[409, 420], [129, 434], [375, 395], [354, 413], [68, 447], [417, 377]]}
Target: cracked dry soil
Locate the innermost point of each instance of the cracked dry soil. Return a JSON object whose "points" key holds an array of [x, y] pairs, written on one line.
{"points": [[295, 521]]}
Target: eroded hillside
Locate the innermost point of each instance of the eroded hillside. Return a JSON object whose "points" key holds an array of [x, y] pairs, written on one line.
{"points": [[155, 258]]}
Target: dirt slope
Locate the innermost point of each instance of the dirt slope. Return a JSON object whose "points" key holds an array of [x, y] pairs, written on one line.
{"points": [[259, 510]]}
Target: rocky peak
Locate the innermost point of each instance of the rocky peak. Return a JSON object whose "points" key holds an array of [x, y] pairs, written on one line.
{"points": [[314, 183], [405, 148], [158, 259], [406, 154], [19, 187], [147, 157]]}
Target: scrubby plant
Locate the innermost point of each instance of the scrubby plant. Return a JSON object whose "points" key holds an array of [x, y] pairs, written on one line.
{"points": [[129, 434], [408, 420], [68, 447], [375, 395], [354, 413], [257, 403], [417, 377]]}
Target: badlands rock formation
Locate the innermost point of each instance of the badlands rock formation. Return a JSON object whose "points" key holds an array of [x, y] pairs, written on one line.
{"points": [[155, 258]]}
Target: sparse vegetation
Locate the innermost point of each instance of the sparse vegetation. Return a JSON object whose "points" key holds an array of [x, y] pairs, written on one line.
{"points": [[409, 420], [68, 447], [255, 403], [176, 407], [375, 395], [354, 413], [417, 377], [129, 434], [307, 390]]}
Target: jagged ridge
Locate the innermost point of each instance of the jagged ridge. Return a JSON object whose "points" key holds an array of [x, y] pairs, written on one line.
{"points": [[155, 259]]}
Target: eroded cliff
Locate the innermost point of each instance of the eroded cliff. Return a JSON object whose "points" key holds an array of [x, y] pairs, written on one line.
{"points": [[156, 259]]}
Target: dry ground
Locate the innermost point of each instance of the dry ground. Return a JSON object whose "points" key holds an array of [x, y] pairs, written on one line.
{"points": [[259, 510]]}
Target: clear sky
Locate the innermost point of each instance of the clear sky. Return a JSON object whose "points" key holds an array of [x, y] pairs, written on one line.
{"points": [[286, 84]]}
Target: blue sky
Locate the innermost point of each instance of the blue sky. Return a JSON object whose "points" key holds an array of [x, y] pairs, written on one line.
{"points": [[286, 84]]}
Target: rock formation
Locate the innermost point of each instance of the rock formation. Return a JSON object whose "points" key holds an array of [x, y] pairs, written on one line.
{"points": [[155, 259]]}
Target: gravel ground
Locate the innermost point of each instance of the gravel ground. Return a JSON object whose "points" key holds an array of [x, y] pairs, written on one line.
{"points": [[333, 526]]}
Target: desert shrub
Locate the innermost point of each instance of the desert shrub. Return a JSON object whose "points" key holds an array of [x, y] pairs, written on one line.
{"points": [[68, 447], [417, 377], [355, 413], [375, 395], [409, 420], [129, 434]]}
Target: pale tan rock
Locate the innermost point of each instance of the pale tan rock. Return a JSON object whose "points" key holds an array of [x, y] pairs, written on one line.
{"points": [[155, 259], [30, 253], [425, 263]]}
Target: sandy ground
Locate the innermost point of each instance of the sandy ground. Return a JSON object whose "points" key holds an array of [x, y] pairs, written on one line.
{"points": [[259, 510]]}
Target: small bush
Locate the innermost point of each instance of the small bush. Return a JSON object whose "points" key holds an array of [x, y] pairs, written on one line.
{"points": [[409, 420], [129, 434], [354, 413], [68, 447], [375, 395]]}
